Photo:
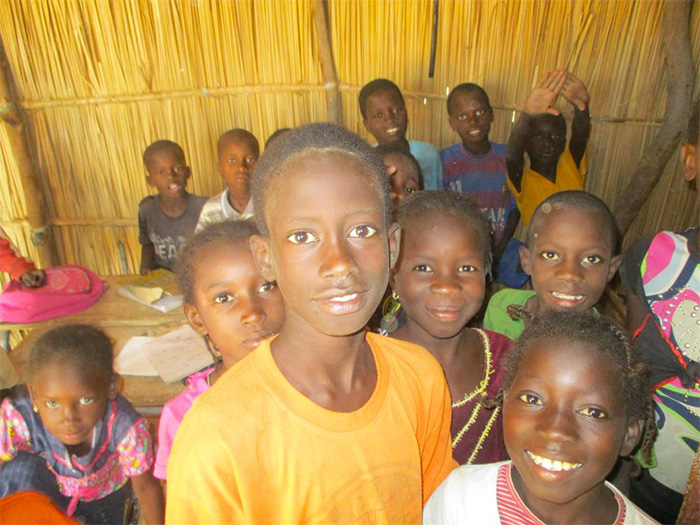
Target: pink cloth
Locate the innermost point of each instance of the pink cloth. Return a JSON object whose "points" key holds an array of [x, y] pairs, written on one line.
{"points": [[173, 413]]}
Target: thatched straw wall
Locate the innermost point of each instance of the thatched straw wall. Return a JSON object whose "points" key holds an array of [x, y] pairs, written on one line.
{"points": [[101, 80]]}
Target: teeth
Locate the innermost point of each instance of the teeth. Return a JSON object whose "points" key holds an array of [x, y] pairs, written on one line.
{"points": [[392, 130], [553, 465], [344, 298], [475, 132], [567, 297]]}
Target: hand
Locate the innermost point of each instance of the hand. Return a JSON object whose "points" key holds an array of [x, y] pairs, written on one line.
{"points": [[575, 92], [33, 278], [546, 91]]}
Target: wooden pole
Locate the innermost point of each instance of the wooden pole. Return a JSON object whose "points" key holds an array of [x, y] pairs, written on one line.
{"points": [[681, 78], [330, 75], [14, 119]]}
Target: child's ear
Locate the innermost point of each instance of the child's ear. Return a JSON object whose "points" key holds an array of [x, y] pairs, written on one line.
{"points": [[451, 123], [525, 259], [394, 244], [263, 257], [632, 437], [688, 161], [32, 396], [113, 389], [194, 319], [615, 263], [149, 181]]}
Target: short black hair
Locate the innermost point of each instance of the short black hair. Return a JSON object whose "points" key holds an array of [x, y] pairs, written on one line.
{"points": [[374, 87], [239, 135], [315, 139], [692, 133], [385, 150], [422, 203], [85, 347], [226, 232], [162, 145], [599, 335], [276, 134], [465, 88], [580, 200]]}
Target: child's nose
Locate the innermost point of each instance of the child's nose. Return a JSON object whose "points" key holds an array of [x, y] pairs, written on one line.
{"points": [[338, 261], [445, 286], [558, 426], [570, 271], [70, 414], [253, 313]]}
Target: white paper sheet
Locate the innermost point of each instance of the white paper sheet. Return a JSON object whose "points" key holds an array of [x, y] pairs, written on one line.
{"points": [[177, 354], [132, 360]]}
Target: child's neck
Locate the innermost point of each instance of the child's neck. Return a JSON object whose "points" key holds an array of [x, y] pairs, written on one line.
{"points": [[239, 201], [173, 207], [597, 505], [338, 373], [547, 169], [82, 449], [461, 356], [482, 148], [401, 143]]}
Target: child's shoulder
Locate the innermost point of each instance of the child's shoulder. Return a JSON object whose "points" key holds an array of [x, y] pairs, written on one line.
{"points": [[422, 149], [197, 201], [412, 360], [147, 201], [508, 296]]}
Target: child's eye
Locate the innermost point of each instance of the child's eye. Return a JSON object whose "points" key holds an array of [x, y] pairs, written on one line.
{"points": [[250, 161], [223, 298], [302, 238], [231, 160], [266, 287], [86, 400], [408, 190], [550, 256], [592, 259], [362, 232], [530, 399], [593, 413], [461, 117], [51, 404], [480, 112], [422, 268], [468, 268], [378, 115]]}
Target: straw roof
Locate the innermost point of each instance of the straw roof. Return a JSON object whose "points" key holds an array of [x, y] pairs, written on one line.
{"points": [[101, 80]]}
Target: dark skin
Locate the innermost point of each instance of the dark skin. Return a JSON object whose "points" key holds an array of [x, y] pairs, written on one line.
{"points": [[541, 132]]}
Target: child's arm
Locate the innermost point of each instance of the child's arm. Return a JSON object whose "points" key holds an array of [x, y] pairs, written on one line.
{"points": [[148, 258], [150, 495], [539, 101], [575, 92]]}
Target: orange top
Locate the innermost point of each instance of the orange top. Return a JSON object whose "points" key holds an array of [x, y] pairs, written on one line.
{"points": [[29, 508], [535, 188], [254, 449]]}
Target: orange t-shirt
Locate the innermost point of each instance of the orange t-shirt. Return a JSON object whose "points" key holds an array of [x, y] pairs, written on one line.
{"points": [[253, 449], [535, 188]]}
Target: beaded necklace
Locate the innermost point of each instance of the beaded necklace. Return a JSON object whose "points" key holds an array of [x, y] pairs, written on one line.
{"points": [[479, 390]]}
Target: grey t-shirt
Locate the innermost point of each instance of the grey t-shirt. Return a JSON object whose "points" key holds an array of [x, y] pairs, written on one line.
{"points": [[167, 233]]}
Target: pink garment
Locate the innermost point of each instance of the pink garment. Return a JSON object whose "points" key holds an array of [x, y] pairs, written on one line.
{"points": [[173, 413], [10, 260]]}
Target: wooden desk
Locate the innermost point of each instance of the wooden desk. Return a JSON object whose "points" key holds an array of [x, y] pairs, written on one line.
{"points": [[121, 319]]}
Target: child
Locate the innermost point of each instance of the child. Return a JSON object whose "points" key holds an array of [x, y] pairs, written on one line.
{"points": [[166, 219], [574, 400], [662, 276], [404, 173], [19, 268], [238, 151], [384, 115], [71, 435], [228, 303], [541, 131], [440, 280], [275, 134], [477, 167], [570, 256], [326, 423]]}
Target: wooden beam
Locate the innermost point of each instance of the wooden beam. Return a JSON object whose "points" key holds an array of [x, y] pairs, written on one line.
{"points": [[330, 75], [14, 119], [681, 78]]}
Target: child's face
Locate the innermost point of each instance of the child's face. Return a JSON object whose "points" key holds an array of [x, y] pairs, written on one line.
{"points": [[233, 304], [547, 140], [569, 258], [328, 247], [71, 401], [386, 117], [440, 277], [236, 163], [403, 177], [168, 173], [471, 118], [565, 422]]}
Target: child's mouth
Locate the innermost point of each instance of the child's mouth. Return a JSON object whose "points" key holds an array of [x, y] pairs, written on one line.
{"points": [[393, 131], [566, 297], [553, 465], [445, 313]]}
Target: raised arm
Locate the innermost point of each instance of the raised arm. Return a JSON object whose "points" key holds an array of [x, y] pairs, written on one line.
{"points": [[575, 92], [539, 101]]}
